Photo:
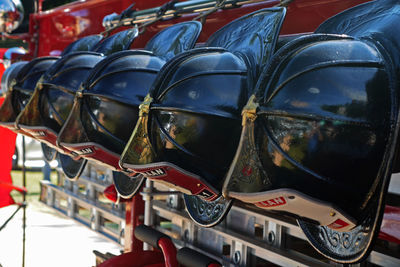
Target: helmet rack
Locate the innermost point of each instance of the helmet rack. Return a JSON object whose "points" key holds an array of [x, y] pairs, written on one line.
{"points": [[248, 236], [173, 10]]}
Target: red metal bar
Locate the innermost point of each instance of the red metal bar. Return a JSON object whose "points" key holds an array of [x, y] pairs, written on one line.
{"points": [[135, 259], [169, 250], [134, 216], [111, 194]]}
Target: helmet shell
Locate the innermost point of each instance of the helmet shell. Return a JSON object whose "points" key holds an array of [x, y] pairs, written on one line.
{"points": [[21, 90], [195, 107], [86, 43], [195, 119], [52, 102], [326, 121], [109, 106], [9, 74]]}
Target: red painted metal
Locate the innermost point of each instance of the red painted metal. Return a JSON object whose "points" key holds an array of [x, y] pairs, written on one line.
{"points": [[111, 194], [134, 216], [135, 259], [390, 228], [55, 29], [61, 26], [169, 250], [302, 16], [214, 265]]}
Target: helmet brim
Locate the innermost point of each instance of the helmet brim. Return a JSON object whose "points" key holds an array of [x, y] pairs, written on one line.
{"points": [[70, 167]]}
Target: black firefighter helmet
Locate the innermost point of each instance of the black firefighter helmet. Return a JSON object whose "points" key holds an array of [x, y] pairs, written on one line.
{"points": [[21, 89], [9, 75], [319, 136], [106, 107], [52, 100], [22, 86], [189, 124], [317, 139]]}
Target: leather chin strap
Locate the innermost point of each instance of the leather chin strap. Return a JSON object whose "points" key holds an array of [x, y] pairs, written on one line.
{"points": [[139, 150], [246, 173]]}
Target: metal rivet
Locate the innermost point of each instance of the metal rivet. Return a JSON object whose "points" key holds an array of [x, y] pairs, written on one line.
{"points": [[332, 213], [271, 237]]}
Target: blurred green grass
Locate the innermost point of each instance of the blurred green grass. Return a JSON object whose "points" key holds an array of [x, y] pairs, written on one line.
{"points": [[33, 179]]}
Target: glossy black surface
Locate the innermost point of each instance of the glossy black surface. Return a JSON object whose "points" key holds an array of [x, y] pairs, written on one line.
{"points": [[49, 153], [59, 89], [52, 103], [127, 186], [198, 97], [196, 117], [32, 116], [325, 115], [112, 95], [28, 76], [254, 35], [174, 40], [118, 85], [22, 89], [117, 42], [9, 74], [40, 112], [71, 168], [376, 20], [326, 127], [86, 43]]}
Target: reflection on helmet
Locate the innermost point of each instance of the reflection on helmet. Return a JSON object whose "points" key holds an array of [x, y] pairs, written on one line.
{"points": [[195, 121], [106, 111], [189, 124], [21, 90], [194, 107], [317, 138], [52, 100], [53, 97], [319, 128], [54, 94]]}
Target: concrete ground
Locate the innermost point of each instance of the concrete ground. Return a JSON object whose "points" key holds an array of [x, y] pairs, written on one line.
{"points": [[51, 239]]}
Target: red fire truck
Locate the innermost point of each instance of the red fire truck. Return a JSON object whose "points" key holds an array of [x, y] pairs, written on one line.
{"points": [[303, 31]]}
